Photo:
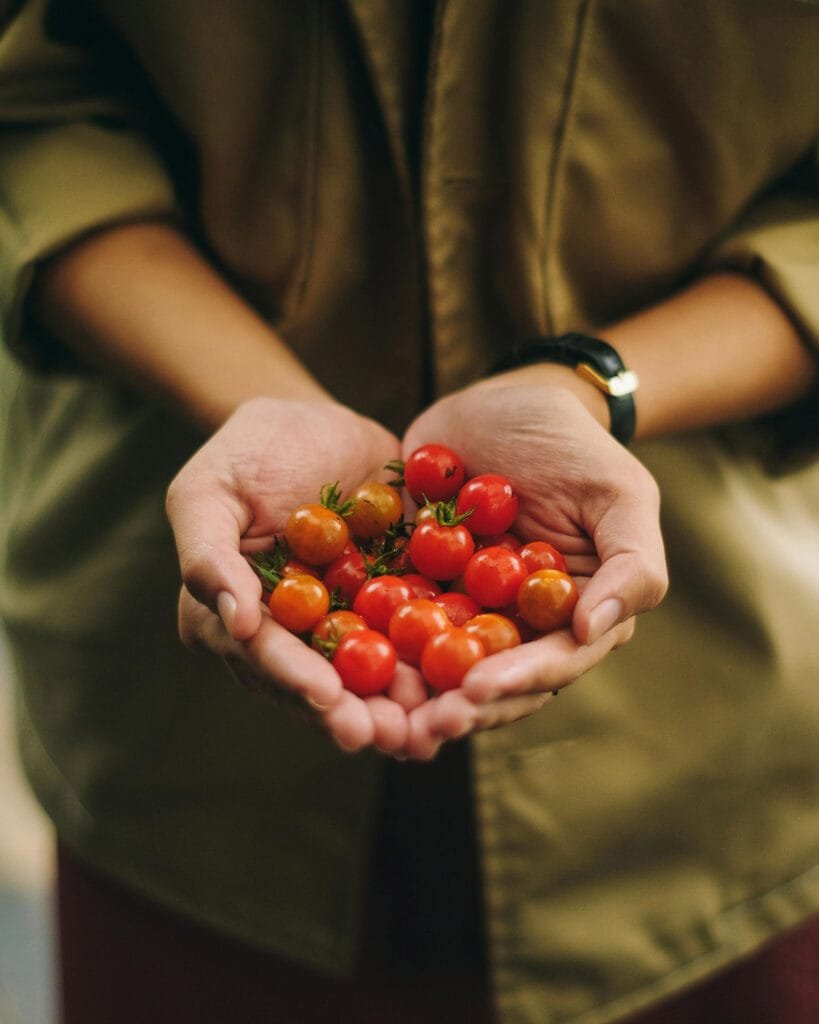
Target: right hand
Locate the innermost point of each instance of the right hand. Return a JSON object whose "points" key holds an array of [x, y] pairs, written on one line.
{"points": [[232, 497]]}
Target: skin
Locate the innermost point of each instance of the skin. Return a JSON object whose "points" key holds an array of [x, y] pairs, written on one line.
{"points": [[142, 303]]}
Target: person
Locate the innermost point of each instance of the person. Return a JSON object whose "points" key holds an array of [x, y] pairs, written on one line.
{"points": [[250, 249]]}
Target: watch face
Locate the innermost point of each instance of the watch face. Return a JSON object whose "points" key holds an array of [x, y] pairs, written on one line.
{"points": [[625, 383]]}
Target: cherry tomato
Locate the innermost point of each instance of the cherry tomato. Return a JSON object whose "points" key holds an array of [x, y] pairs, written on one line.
{"points": [[393, 552], [347, 574], [412, 624], [496, 632], [316, 534], [493, 576], [422, 585], [434, 472], [538, 554], [448, 656], [365, 660], [379, 597], [298, 603], [500, 540], [425, 512], [493, 501], [459, 607], [440, 552], [377, 507], [329, 631], [546, 599]]}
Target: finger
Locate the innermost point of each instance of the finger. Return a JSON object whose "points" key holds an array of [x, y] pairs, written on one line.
{"points": [[276, 658], [408, 687], [423, 742], [541, 665], [455, 716], [632, 577], [390, 724], [207, 527], [350, 722]]}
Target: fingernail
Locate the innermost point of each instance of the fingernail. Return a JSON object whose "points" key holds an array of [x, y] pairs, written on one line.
{"points": [[226, 606], [607, 614], [315, 705]]}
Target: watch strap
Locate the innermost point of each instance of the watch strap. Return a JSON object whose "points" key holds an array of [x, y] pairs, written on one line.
{"points": [[596, 361]]}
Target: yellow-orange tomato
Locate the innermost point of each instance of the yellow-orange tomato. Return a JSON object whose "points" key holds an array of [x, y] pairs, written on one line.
{"points": [[298, 603], [377, 507], [412, 624], [546, 599], [316, 534], [328, 631], [496, 632]]}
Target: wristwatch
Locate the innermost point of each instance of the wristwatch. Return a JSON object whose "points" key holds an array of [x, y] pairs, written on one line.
{"points": [[592, 359]]}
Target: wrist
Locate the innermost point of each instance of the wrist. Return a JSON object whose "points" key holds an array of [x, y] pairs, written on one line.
{"points": [[593, 362]]}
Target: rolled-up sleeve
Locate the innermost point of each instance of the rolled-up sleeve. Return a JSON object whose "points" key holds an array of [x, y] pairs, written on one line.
{"points": [[71, 161], [776, 242]]}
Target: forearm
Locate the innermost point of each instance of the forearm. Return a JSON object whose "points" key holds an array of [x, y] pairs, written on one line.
{"points": [[140, 301], [721, 351]]}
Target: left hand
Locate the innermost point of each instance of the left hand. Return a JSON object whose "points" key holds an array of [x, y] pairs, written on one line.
{"points": [[580, 490]]}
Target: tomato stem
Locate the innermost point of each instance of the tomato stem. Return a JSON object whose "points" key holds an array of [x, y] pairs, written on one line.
{"points": [[397, 467], [330, 497], [268, 565], [445, 514]]}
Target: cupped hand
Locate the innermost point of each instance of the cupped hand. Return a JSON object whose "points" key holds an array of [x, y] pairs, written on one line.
{"points": [[231, 498], [580, 490]]}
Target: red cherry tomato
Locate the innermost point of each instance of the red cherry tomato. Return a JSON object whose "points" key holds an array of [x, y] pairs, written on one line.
{"points": [[538, 554], [298, 602], [493, 501], [499, 540], [459, 607], [546, 599], [440, 552], [493, 576], [496, 632], [434, 473], [377, 507], [412, 624], [422, 585], [379, 597], [347, 574], [448, 656], [316, 534], [365, 660], [329, 631]]}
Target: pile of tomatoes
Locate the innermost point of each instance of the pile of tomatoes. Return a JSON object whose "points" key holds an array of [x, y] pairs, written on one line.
{"points": [[366, 588]]}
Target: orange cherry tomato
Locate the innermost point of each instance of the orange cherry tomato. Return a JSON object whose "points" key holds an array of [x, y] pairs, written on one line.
{"points": [[496, 632], [377, 507], [315, 534], [546, 599], [329, 631], [412, 624], [298, 602]]}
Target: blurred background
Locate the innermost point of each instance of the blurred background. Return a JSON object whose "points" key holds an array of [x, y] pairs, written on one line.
{"points": [[27, 969]]}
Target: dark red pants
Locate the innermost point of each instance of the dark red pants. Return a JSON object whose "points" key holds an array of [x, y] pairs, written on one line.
{"points": [[125, 960]]}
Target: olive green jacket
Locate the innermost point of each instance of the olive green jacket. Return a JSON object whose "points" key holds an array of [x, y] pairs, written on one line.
{"points": [[553, 166]]}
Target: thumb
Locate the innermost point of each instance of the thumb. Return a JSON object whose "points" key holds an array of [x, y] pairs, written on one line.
{"points": [[632, 577], [207, 531]]}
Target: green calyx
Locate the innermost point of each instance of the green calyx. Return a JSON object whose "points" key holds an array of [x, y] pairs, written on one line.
{"points": [[330, 497], [446, 515], [397, 467], [269, 565]]}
